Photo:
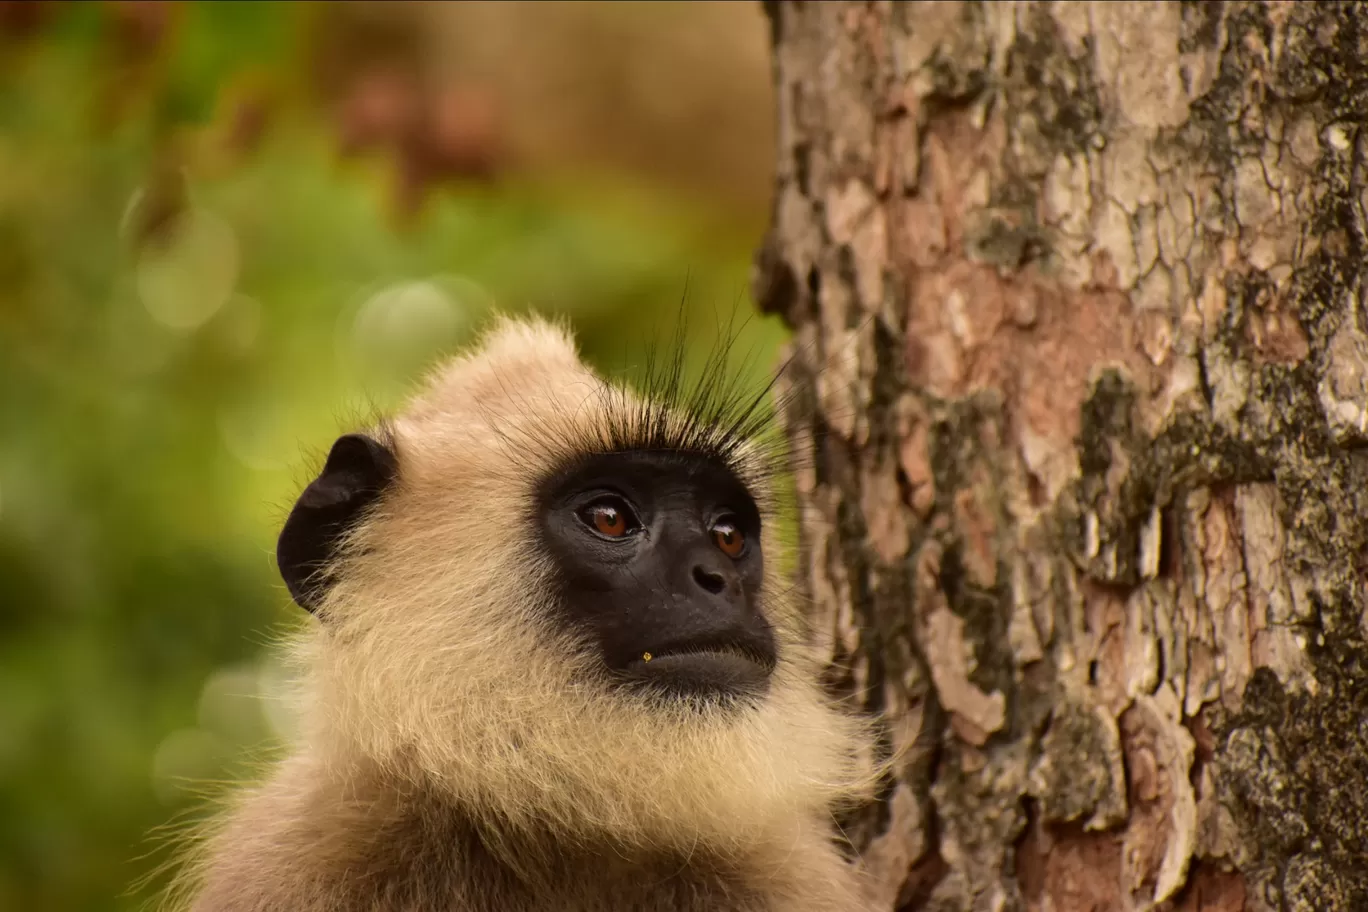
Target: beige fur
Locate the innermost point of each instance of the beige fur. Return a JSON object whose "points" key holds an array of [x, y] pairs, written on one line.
{"points": [[458, 754]]}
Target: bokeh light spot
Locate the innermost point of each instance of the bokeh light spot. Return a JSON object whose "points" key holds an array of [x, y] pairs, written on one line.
{"points": [[279, 690], [230, 705], [185, 277], [405, 325]]}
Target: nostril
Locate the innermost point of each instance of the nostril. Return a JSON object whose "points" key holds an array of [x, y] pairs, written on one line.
{"points": [[710, 581]]}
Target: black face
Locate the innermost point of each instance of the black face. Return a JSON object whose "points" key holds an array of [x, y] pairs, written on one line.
{"points": [[660, 565]]}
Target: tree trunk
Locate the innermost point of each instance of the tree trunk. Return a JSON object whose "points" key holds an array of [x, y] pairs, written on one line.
{"points": [[1079, 407]]}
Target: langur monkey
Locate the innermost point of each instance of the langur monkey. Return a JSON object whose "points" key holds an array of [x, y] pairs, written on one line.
{"points": [[552, 665]]}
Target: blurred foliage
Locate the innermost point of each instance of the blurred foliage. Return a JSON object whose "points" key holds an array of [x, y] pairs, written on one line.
{"points": [[197, 292]]}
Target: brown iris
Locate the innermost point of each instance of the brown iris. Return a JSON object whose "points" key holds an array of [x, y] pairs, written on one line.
{"points": [[609, 519], [729, 539]]}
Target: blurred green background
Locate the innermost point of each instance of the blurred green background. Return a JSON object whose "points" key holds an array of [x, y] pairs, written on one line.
{"points": [[227, 231]]}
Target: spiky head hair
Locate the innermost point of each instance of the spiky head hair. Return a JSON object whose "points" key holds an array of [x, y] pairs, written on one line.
{"points": [[437, 659]]}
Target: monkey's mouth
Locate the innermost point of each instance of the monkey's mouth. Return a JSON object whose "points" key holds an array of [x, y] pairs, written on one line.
{"points": [[703, 670]]}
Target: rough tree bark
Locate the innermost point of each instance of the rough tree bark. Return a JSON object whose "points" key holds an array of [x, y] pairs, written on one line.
{"points": [[1080, 406]]}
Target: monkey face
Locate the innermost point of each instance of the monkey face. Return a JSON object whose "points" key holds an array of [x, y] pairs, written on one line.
{"points": [[659, 566]]}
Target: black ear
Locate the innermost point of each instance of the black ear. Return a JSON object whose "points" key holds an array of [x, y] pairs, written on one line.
{"points": [[357, 472]]}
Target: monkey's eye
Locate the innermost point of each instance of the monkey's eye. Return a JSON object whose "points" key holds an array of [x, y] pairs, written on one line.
{"points": [[729, 538], [610, 517]]}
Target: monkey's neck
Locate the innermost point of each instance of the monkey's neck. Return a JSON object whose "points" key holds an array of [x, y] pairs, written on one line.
{"points": [[360, 838], [417, 809]]}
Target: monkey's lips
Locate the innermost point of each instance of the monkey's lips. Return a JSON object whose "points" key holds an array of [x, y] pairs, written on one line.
{"points": [[707, 671]]}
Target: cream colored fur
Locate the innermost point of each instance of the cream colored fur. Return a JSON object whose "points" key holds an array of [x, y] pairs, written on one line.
{"points": [[433, 661]]}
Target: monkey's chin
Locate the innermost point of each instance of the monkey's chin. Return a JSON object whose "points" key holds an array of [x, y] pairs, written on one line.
{"points": [[711, 674]]}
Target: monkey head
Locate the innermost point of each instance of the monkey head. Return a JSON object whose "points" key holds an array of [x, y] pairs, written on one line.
{"points": [[555, 599]]}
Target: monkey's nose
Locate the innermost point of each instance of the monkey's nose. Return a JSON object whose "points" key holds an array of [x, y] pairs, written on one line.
{"points": [[709, 580]]}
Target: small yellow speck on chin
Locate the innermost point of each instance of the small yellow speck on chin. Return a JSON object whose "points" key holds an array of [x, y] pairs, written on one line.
{"points": [[645, 657]]}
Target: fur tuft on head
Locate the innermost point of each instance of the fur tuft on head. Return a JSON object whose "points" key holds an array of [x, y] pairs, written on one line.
{"points": [[435, 658]]}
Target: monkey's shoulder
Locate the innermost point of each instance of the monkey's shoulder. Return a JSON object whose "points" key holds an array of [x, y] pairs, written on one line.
{"points": [[431, 857], [483, 871]]}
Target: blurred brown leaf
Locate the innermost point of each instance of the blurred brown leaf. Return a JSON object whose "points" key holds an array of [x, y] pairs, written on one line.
{"points": [[138, 27], [24, 18]]}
